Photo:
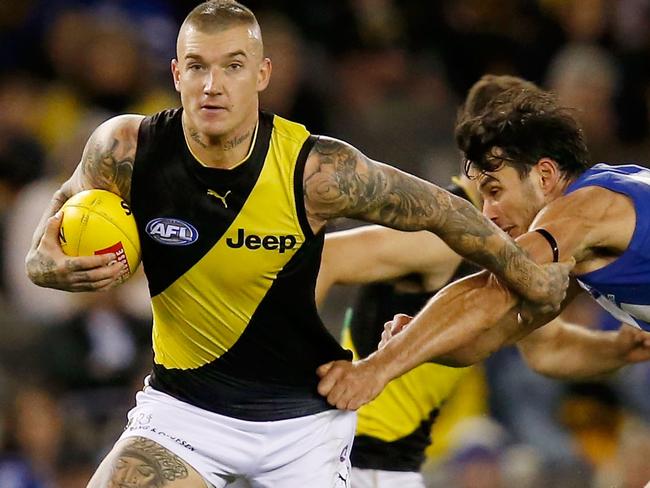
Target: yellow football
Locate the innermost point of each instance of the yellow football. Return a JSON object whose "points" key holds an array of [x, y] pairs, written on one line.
{"points": [[100, 222]]}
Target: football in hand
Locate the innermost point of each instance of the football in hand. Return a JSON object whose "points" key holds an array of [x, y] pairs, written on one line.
{"points": [[100, 222]]}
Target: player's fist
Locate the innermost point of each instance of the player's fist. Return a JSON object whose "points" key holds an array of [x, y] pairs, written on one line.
{"points": [[394, 327], [633, 344]]}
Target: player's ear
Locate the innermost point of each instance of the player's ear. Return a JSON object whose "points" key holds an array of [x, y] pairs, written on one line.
{"points": [[549, 174], [264, 74], [176, 74]]}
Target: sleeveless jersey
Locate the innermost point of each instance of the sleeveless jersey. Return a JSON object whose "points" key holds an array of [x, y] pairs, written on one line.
{"points": [[394, 430], [231, 263], [623, 286]]}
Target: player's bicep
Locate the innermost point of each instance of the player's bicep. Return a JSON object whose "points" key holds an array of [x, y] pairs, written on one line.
{"points": [[340, 181], [107, 160]]}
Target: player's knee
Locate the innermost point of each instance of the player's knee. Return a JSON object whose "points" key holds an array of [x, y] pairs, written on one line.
{"points": [[139, 461]]}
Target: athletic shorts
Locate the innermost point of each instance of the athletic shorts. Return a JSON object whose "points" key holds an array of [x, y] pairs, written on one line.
{"points": [[376, 478], [311, 451]]}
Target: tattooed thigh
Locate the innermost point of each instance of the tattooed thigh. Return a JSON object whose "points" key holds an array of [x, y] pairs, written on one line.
{"points": [[137, 462]]}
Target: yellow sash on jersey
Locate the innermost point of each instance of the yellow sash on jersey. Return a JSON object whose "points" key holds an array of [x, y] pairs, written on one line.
{"points": [[204, 312]]}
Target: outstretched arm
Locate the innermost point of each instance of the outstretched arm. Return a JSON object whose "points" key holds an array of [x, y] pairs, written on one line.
{"points": [[340, 181], [564, 350], [374, 253], [107, 164]]}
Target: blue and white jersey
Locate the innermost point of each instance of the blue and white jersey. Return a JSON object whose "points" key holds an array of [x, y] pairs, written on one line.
{"points": [[623, 286]]}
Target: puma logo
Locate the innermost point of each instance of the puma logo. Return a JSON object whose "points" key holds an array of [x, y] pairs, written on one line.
{"points": [[213, 193], [341, 481]]}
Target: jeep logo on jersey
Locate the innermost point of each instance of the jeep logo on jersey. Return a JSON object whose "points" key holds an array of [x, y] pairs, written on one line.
{"points": [[253, 241], [172, 232]]}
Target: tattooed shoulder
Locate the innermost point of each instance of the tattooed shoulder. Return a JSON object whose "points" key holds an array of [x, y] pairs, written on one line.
{"points": [[107, 161]]}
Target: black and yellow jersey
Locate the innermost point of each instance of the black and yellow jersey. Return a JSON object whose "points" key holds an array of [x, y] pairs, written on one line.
{"points": [[232, 263], [394, 430]]}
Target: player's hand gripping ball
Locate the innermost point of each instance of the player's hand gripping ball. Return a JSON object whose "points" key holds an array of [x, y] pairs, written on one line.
{"points": [[100, 222]]}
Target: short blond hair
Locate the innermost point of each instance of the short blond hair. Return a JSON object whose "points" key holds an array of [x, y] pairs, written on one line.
{"points": [[217, 15]]}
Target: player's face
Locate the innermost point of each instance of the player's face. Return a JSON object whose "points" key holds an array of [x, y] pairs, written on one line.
{"points": [[509, 201], [219, 75]]}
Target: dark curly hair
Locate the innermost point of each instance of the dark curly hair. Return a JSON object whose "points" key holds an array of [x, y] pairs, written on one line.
{"points": [[487, 89], [518, 127]]}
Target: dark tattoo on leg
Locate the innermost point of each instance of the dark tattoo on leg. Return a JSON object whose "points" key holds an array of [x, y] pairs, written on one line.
{"points": [[145, 464]]}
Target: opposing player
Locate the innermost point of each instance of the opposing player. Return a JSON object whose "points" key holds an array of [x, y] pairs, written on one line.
{"points": [[230, 204], [530, 160], [400, 272]]}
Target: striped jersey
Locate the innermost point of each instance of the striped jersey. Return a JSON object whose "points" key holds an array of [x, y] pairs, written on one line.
{"points": [[231, 263]]}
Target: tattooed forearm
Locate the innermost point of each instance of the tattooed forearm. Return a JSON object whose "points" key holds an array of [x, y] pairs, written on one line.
{"points": [[480, 241], [146, 464], [107, 162], [484, 243], [470, 234]]}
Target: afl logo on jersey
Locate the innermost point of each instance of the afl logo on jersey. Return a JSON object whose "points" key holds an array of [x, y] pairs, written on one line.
{"points": [[172, 232]]}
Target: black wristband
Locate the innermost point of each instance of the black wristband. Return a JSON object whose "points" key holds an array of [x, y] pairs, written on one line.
{"points": [[552, 242]]}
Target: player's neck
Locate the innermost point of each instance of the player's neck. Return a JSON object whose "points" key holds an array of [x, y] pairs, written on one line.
{"points": [[559, 189], [226, 151]]}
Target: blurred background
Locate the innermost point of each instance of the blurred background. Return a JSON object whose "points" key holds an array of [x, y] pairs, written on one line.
{"points": [[384, 75]]}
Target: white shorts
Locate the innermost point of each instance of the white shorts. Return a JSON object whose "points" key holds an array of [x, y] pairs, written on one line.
{"points": [[375, 478], [311, 451]]}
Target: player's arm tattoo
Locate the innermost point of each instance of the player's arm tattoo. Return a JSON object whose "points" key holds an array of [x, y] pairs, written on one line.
{"points": [[107, 162], [342, 182], [143, 463]]}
